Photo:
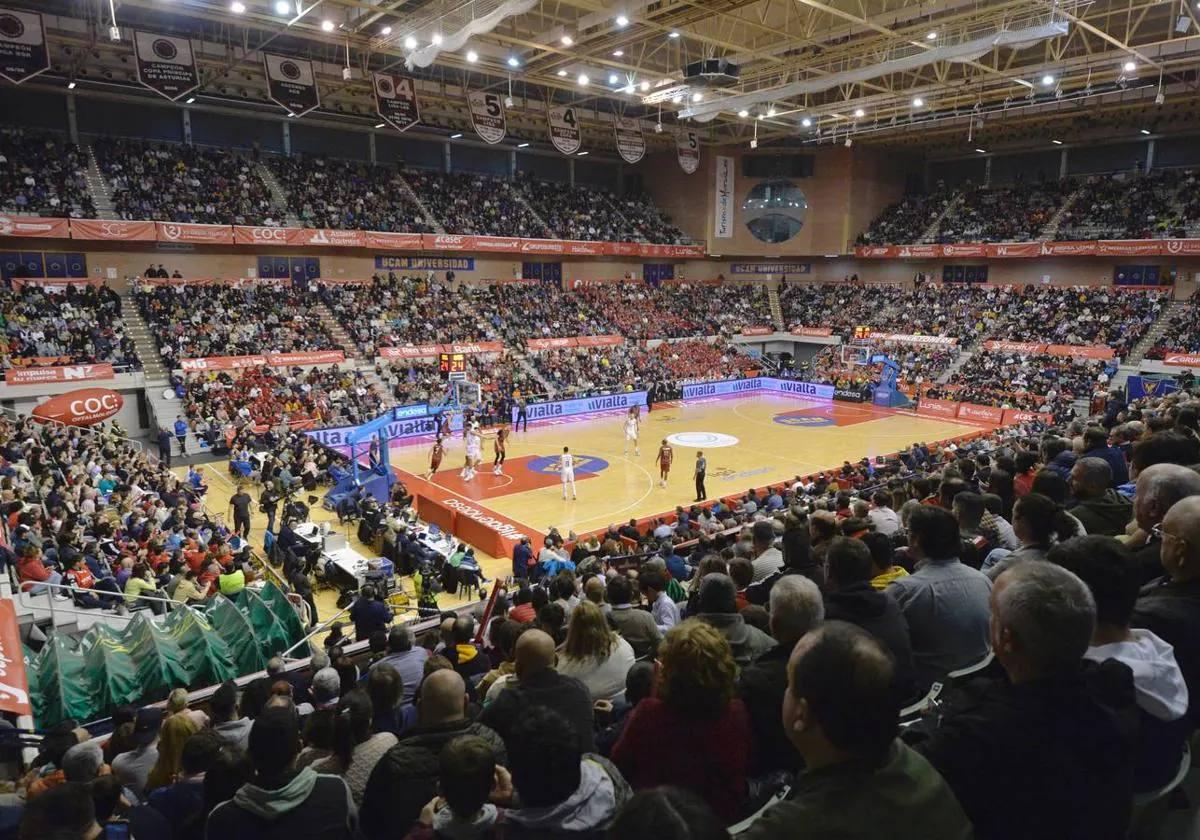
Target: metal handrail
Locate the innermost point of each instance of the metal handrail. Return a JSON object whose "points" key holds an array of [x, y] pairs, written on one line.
{"points": [[320, 628], [21, 594]]}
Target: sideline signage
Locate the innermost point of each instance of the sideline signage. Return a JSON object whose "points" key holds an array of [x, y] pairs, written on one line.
{"points": [[584, 405]]}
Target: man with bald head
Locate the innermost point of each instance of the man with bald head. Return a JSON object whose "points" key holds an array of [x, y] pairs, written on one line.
{"points": [[1169, 607], [538, 684], [1159, 488], [407, 776]]}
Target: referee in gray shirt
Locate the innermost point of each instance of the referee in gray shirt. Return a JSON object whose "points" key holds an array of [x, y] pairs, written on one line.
{"points": [[701, 467]]}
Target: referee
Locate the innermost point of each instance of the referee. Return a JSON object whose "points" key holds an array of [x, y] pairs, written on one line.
{"points": [[701, 468]]}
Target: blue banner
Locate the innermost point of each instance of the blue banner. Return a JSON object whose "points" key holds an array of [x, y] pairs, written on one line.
{"points": [[770, 268], [407, 412], [391, 262], [760, 383], [396, 430], [1145, 386], [585, 405]]}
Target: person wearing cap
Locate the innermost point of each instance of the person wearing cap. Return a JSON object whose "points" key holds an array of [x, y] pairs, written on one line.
{"points": [[281, 802], [132, 768]]}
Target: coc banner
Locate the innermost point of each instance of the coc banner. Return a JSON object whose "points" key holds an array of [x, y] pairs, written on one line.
{"points": [[487, 115], [564, 129], [687, 150], [165, 64], [631, 145], [396, 100], [23, 51], [291, 84]]}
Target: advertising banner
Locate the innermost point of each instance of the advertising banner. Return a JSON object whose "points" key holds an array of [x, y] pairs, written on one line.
{"points": [[938, 408], [222, 363], [904, 338], [1185, 359], [1025, 347], [1013, 415], [14, 684], [23, 54], [113, 230], [59, 373], [964, 250], [758, 330], [314, 357], [1080, 351], [820, 332], [1128, 248], [725, 387], [849, 395], [34, 226], [423, 351], [396, 100], [1147, 386], [191, 232], [984, 413], [387, 262], [585, 405], [1181, 247], [770, 268], [165, 64], [83, 407], [291, 84], [687, 150], [564, 129], [328, 238], [487, 115], [723, 207], [392, 241], [1014, 249], [252, 235], [599, 340], [631, 145], [548, 343]]}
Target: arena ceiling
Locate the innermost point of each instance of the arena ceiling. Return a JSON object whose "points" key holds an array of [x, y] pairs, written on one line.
{"points": [[936, 76]]}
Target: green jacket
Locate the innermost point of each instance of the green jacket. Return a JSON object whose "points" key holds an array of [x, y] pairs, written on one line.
{"points": [[904, 799]]}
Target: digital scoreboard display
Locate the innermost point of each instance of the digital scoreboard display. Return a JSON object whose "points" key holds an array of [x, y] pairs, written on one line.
{"points": [[452, 362], [862, 333]]}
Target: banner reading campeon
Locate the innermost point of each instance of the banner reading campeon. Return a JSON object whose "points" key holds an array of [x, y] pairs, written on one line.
{"points": [[23, 52], [165, 64], [396, 100], [487, 115], [291, 84]]}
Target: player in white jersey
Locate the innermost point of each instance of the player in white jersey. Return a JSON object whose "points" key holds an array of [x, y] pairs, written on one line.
{"points": [[633, 423], [474, 451], [566, 469]]}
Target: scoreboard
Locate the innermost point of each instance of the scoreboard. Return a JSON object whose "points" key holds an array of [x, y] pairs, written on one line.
{"points": [[862, 333], [450, 363]]}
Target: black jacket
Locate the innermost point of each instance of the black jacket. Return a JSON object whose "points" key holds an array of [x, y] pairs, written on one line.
{"points": [[550, 689], [761, 686], [1050, 759], [1171, 611], [1107, 515], [325, 811], [407, 776], [878, 613]]}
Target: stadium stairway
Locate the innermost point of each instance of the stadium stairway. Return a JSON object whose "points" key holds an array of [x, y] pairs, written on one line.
{"points": [[331, 324], [1049, 232], [955, 366], [776, 309], [98, 187], [156, 373], [519, 197], [278, 194], [524, 362], [931, 232], [430, 219], [1153, 334]]}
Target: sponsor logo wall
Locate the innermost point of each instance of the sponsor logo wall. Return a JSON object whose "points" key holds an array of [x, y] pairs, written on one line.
{"points": [[584, 405], [57, 373], [317, 357], [1101, 248], [725, 387]]}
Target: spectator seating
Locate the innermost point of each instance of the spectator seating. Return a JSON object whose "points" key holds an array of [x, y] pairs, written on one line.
{"points": [[1157, 205], [328, 193], [174, 183], [1015, 213], [906, 221], [1182, 333], [475, 205], [81, 324], [640, 311], [42, 175]]}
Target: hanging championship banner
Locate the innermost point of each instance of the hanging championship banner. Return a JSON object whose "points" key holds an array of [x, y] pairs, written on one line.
{"points": [[564, 129], [291, 83], [396, 100], [487, 113], [165, 64], [687, 150], [23, 52], [630, 143]]}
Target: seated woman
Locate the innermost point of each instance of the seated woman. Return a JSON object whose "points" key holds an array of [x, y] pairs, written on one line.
{"points": [[594, 654]]}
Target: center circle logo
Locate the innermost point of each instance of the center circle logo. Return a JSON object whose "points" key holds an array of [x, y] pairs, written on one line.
{"points": [[702, 440], [548, 464], [803, 417], [164, 49], [289, 70]]}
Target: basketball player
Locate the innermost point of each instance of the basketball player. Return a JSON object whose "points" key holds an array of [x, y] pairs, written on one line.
{"points": [[566, 469], [665, 456], [435, 456], [443, 426], [474, 451], [632, 425], [501, 445]]}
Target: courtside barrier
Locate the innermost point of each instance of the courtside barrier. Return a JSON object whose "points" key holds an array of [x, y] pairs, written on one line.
{"points": [[437, 513], [622, 401], [724, 387]]}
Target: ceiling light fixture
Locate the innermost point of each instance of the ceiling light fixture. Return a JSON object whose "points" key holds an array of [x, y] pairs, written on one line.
{"points": [[567, 40], [696, 97], [70, 85], [562, 72], [581, 154], [1057, 142], [472, 56], [622, 20], [326, 26], [1129, 66], [1047, 80], [436, 40], [613, 78], [410, 43], [283, 7], [387, 30], [522, 145], [771, 111], [513, 61], [190, 100], [918, 102], [743, 113], [932, 36], [1145, 131], [455, 136], [237, 7], [806, 122], [583, 80], [618, 53], [645, 86], [859, 113], [982, 151], [379, 125], [672, 34]]}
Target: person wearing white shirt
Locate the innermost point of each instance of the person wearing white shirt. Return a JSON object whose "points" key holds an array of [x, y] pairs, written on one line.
{"points": [[882, 516], [663, 610], [566, 469]]}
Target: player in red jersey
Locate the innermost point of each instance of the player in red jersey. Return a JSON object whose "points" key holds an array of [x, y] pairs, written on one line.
{"points": [[435, 457], [501, 445], [665, 456]]}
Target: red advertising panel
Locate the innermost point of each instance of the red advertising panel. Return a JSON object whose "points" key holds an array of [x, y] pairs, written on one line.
{"points": [[393, 241], [984, 413], [497, 244], [938, 408], [251, 235], [972, 249], [125, 231], [815, 331], [1069, 249], [327, 238], [542, 246], [627, 249], [581, 248], [874, 251], [34, 226], [423, 351], [316, 357], [1182, 247], [1186, 359], [14, 686], [548, 343], [436, 513], [757, 331], [222, 362], [1015, 346], [599, 340], [1014, 249], [58, 373], [198, 234], [1128, 247], [1013, 415], [919, 251], [83, 407], [1086, 352], [447, 242], [905, 338], [474, 347]]}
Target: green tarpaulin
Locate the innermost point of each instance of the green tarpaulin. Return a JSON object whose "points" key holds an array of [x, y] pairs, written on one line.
{"points": [[141, 662]]}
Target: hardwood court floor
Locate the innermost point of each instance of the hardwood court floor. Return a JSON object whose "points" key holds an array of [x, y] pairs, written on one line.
{"points": [[749, 441]]}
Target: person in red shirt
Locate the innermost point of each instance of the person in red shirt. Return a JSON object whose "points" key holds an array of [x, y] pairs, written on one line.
{"points": [[33, 573], [1026, 468], [665, 456], [694, 703], [435, 456]]}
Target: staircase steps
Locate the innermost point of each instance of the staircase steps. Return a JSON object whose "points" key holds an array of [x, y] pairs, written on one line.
{"points": [[931, 232], [278, 195], [98, 187], [157, 375], [519, 197], [1050, 231], [776, 308], [955, 366], [430, 219], [1154, 333]]}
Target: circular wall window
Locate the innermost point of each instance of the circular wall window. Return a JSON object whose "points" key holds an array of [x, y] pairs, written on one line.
{"points": [[774, 210]]}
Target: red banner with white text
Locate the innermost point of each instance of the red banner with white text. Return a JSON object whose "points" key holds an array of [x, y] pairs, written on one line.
{"points": [[1001, 250], [599, 340], [983, 413], [1026, 347], [194, 233], [1187, 359], [58, 373], [14, 683], [1016, 415], [812, 331], [757, 331], [316, 357], [938, 408], [1080, 351], [425, 351], [113, 230], [34, 226], [248, 235]]}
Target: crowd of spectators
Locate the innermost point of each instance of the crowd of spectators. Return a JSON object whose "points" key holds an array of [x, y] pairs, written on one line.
{"points": [[475, 205], [593, 214], [1155, 205], [175, 183], [1182, 333], [194, 321], [268, 397], [678, 310], [1013, 213], [906, 221], [919, 365], [324, 192], [838, 306], [42, 175], [1041, 376], [76, 324]]}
